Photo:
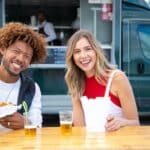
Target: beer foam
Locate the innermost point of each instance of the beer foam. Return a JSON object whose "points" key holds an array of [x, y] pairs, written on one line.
{"points": [[30, 126], [66, 122]]}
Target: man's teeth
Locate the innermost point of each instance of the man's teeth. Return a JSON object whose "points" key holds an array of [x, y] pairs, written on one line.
{"points": [[17, 65]]}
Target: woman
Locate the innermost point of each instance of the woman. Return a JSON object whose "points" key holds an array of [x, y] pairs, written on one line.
{"points": [[90, 77]]}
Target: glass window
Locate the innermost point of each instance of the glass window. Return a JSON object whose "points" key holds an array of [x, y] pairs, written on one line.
{"points": [[144, 37]]}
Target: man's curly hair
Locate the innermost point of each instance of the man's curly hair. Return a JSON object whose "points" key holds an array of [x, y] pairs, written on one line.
{"points": [[15, 31]]}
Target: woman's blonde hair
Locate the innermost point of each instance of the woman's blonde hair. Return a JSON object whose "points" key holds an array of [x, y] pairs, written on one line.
{"points": [[75, 77]]}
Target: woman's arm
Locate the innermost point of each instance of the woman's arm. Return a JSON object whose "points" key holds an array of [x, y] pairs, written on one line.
{"points": [[123, 90], [78, 114]]}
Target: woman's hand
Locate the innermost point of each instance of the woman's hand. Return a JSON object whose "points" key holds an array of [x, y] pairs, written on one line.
{"points": [[114, 122]]}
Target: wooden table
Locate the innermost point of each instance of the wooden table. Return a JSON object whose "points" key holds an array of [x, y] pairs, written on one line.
{"points": [[127, 138]]}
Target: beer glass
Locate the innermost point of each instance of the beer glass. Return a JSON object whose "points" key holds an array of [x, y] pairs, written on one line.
{"points": [[65, 117], [30, 129]]}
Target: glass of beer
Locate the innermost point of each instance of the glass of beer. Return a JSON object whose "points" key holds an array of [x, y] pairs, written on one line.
{"points": [[29, 127], [65, 117]]}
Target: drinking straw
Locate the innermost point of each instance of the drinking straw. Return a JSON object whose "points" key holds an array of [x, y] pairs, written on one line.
{"points": [[25, 107]]}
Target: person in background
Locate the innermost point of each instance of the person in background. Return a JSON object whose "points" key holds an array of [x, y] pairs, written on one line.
{"points": [[76, 22], [46, 28], [19, 47], [89, 75]]}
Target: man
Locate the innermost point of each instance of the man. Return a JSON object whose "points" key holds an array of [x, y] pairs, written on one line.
{"points": [[46, 28], [19, 47]]}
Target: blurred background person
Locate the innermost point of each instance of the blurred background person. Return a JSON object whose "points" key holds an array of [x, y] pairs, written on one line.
{"points": [[46, 28], [76, 22]]}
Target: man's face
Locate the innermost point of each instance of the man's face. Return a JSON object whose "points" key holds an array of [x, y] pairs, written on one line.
{"points": [[41, 17], [16, 58]]}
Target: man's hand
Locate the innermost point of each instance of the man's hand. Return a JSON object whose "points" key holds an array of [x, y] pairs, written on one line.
{"points": [[14, 121]]}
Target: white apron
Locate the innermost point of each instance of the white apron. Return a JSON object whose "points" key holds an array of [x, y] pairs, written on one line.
{"points": [[96, 110]]}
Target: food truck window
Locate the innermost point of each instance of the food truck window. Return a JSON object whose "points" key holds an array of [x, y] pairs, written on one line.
{"points": [[61, 13]]}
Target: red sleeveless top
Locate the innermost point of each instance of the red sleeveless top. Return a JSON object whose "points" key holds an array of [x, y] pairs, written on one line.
{"points": [[93, 89]]}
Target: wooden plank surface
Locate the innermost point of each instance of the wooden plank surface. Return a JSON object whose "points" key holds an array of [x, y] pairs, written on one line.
{"points": [[50, 138]]}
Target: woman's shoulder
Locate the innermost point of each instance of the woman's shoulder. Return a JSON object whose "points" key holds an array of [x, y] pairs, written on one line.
{"points": [[119, 81], [120, 78], [118, 75]]}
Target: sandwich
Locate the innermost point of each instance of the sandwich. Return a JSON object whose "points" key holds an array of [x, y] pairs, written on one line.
{"points": [[5, 104]]}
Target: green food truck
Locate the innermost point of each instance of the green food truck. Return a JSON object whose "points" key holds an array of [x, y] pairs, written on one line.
{"points": [[125, 38]]}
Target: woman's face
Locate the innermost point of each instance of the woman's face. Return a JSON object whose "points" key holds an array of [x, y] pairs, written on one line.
{"points": [[85, 56]]}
